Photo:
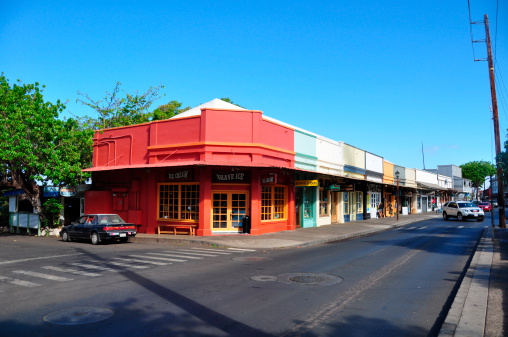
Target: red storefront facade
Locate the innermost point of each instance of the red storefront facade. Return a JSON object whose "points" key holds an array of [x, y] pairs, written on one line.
{"points": [[206, 171]]}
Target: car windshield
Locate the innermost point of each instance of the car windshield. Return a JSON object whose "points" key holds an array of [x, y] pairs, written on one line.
{"points": [[110, 218], [466, 204]]}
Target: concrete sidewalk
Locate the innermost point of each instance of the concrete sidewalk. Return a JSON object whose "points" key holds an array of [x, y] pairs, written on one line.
{"points": [[479, 306]]}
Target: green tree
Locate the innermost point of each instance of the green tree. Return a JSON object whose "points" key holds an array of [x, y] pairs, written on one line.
{"points": [[168, 110], [114, 110], [477, 171], [36, 147]]}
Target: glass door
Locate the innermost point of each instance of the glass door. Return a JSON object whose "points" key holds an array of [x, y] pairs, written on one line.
{"points": [[228, 211]]}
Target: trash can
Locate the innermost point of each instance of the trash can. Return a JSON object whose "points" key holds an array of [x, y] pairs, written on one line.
{"points": [[246, 224]]}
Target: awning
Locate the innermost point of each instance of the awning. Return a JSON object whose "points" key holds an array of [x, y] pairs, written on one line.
{"points": [[12, 193], [429, 186]]}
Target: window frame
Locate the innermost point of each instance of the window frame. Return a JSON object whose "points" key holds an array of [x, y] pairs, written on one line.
{"points": [[324, 204], [271, 211], [191, 216]]}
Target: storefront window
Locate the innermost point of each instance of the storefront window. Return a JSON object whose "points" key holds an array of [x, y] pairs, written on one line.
{"points": [[323, 202], [375, 199], [273, 202], [178, 202], [359, 202]]}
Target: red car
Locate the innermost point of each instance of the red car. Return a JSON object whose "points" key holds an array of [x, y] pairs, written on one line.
{"points": [[486, 206]]}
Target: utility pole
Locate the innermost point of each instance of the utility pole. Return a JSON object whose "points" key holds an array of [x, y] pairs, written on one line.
{"points": [[495, 117]]}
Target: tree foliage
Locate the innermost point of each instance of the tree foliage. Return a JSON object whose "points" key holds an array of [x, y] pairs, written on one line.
{"points": [[36, 147], [115, 111], [477, 171]]}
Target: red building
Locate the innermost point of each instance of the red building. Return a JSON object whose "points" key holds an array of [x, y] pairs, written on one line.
{"points": [[203, 170]]}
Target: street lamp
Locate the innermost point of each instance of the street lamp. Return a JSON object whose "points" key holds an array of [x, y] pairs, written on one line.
{"points": [[397, 201]]}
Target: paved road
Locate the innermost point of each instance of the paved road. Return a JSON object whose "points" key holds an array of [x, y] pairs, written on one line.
{"points": [[394, 283]]}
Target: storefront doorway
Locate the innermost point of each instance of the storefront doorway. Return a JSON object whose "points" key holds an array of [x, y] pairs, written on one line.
{"points": [[228, 211]]}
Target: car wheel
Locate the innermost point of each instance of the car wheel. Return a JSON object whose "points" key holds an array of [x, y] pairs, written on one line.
{"points": [[460, 217], [65, 236], [95, 238], [445, 216]]}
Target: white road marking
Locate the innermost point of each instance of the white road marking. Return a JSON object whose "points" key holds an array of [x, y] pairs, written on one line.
{"points": [[192, 253], [217, 251], [142, 261], [39, 258], [19, 282], [92, 266], [158, 258], [41, 275], [202, 251], [128, 265], [178, 255], [72, 271]]}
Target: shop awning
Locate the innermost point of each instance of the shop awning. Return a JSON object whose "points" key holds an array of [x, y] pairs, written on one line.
{"points": [[429, 186]]}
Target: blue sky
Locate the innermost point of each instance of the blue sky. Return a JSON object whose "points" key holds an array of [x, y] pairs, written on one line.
{"points": [[384, 76]]}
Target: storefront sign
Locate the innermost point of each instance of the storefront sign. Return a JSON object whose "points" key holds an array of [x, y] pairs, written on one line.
{"points": [[67, 191], [347, 187], [270, 179], [306, 183], [51, 191], [231, 177], [181, 175], [334, 187]]}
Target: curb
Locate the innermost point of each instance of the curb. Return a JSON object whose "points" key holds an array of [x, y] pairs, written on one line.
{"points": [[468, 313]]}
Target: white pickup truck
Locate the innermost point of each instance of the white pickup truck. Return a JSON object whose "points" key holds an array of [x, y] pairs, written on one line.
{"points": [[462, 210]]}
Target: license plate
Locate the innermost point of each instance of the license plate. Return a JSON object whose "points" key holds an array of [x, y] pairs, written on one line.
{"points": [[122, 235], [475, 214]]}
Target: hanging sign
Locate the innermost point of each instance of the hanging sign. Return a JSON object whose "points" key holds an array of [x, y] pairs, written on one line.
{"points": [[67, 191], [269, 179], [306, 183], [334, 187]]}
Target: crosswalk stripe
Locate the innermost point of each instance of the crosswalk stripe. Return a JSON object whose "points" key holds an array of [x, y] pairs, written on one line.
{"points": [[460, 227], [72, 271], [242, 249], [92, 266], [422, 228], [128, 265], [158, 258], [178, 255], [142, 261], [41, 275], [192, 253], [19, 282], [215, 251]]}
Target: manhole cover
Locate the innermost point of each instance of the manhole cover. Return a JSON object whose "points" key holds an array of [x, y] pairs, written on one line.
{"points": [[264, 278], [251, 258], [80, 315], [312, 279]]}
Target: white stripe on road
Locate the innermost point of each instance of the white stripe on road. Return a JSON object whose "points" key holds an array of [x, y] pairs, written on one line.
{"points": [[141, 261], [158, 258], [178, 255], [19, 282], [192, 253], [39, 258], [216, 251], [422, 228], [41, 275], [92, 266], [128, 265], [71, 271]]}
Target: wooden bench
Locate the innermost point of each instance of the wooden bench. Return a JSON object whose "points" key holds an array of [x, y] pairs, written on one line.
{"points": [[176, 229]]}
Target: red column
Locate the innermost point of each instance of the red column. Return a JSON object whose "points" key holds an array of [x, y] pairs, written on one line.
{"points": [[205, 202], [255, 203]]}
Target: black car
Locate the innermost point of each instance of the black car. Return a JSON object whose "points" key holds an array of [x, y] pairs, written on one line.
{"points": [[99, 227]]}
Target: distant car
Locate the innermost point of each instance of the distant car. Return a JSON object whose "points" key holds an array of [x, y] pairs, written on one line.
{"points": [[485, 206], [97, 228], [462, 210], [494, 203]]}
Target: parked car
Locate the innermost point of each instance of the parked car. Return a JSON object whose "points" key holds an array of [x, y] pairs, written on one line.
{"points": [[462, 210], [486, 206], [98, 227]]}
